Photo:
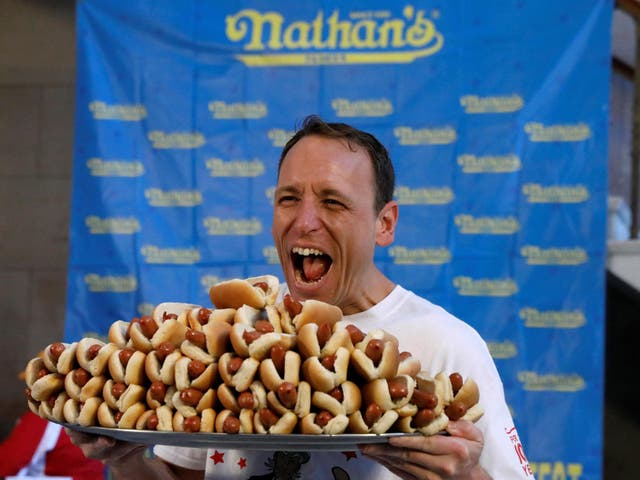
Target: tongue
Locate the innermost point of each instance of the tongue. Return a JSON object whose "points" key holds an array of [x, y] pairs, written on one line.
{"points": [[315, 267]]}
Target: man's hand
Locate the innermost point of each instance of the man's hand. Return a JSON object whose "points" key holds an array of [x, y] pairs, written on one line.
{"points": [[106, 449], [435, 457]]}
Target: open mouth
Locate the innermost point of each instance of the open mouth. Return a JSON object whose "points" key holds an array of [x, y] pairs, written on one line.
{"points": [[310, 264]]}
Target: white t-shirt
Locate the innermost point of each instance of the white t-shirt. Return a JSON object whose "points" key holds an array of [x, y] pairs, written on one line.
{"points": [[443, 343]]}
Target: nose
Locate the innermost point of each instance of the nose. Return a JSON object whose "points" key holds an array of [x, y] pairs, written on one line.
{"points": [[307, 217]]}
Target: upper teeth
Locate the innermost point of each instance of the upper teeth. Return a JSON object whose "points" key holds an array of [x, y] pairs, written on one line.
{"points": [[307, 251]]}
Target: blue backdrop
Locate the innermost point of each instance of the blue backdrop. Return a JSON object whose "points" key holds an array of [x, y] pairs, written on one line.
{"points": [[496, 116]]}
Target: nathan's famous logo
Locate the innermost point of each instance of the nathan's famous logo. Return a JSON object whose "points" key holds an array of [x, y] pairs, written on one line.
{"points": [[502, 350], [537, 193], [468, 224], [279, 137], [182, 140], [221, 110], [496, 104], [114, 168], [534, 318], [554, 256], [110, 283], [489, 163], [425, 136], [423, 196], [539, 132], [128, 113], [361, 108], [112, 225], [420, 256], [179, 256], [233, 226], [270, 254], [358, 37], [485, 287], [234, 168], [533, 381], [173, 198]]}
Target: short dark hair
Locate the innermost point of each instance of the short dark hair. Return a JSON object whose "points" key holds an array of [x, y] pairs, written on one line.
{"points": [[382, 166]]}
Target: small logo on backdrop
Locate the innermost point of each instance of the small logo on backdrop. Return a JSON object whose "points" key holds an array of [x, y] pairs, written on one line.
{"points": [[553, 382], [538, 132], [112, 225], [502, 350], [179, 140], [534, 318], [270, 254], [279, 137], [127, 113], [485, 287], [221, 110], [175, 256], [468, 224], [420, 256], [345, 107], [554, 256], [537, 193], [235, 168], [115, 168], [409, 136], [173, 198], [110, 283], [423, 196], [495, 104], [233, 226], [489, 163]]}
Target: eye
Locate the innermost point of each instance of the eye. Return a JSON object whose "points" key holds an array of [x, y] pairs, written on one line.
{"points": [[286, 199], [333, 203]]}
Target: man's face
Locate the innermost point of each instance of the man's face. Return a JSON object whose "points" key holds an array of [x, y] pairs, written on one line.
{"points": [[324, 224]]}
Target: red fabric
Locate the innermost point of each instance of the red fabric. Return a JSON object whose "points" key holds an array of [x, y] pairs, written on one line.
{"points": [[64, 460]]}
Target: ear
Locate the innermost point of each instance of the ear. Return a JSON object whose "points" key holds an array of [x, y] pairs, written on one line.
{"points": [[386, 224]]}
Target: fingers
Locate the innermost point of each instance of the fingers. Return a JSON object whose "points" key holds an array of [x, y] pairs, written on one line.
{"points": [[465, 429]]}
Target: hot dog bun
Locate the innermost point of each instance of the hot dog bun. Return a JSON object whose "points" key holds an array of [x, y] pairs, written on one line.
{"points": [[257, 292]]}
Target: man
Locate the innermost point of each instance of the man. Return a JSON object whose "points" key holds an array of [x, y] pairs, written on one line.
{"points": [[333, 204]]}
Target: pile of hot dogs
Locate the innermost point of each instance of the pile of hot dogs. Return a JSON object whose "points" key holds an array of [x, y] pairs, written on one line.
{"points": [[249, 365]]}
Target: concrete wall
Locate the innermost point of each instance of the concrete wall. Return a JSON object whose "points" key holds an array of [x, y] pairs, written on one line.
{"points": [[37, 76]]}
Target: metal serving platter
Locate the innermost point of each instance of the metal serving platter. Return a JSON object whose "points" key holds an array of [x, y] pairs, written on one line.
{"points": [[248, 441]]}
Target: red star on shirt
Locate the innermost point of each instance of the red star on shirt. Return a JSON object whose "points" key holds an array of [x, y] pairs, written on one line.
{"points": [[350, 455], [242, 463], [217, 457]]}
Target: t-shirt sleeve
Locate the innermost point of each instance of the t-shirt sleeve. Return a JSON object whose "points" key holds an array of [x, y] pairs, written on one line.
{"points": [[191, 458]]}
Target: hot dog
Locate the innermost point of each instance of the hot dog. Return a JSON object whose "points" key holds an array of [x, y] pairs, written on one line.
{"points": [[373, 419], [192, 401], [93, 355], [324, 422], [390, 394], [108, 417], [81, 413], [208, 343], [52, 408], [257, 292], [408, 364], [60, 357], [159, 364], [147, 332], [194, 374], [172, 310], [326, 373], [281, 366], [237, 372], [320, 340], [231, 422], [376, 356], [252, 399], [344, 399], [127, 366], [290, 398], [203, 422], [249, 342], [160, 419], [80, 385], [294, 314], [200, 316], [41, 382], [266, 420]]}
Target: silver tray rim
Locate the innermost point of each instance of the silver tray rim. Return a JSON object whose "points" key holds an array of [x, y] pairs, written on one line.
{"points": [[243, 441]]}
